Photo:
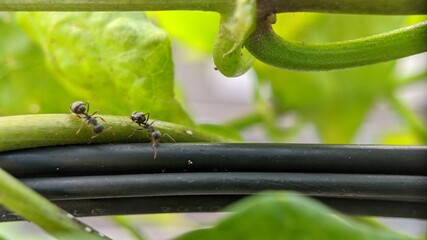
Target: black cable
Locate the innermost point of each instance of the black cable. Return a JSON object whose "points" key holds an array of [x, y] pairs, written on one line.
{"points": [[358, 179], [215, 203], [354, 186], [180, 157]]}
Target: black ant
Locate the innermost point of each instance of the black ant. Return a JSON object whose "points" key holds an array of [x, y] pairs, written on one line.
{"points": [[142, 120], [80, 108]]}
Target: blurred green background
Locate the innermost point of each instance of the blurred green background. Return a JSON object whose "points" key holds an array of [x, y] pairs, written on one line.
{"points": [[122, 62], [49, 60]]}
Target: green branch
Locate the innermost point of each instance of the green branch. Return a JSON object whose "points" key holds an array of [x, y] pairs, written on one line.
{"points": [[268, 47], [378, 7], [28, 204], [411, 79], [230, 57], [381, 7], [116, 5], [417, 125], [28, 131]]}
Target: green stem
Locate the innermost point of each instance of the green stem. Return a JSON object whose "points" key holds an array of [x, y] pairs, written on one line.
{"points": [[379, 7], [382, 7], [230, 57], [411, 79], [413, 120], [28, 204], [268, 47], [28, 131], [116, 5], [246, 121]]}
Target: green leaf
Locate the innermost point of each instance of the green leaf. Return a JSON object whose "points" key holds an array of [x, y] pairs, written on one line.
{"points": [[119, 60], [32, 206], [193, 28], [24, 79], [288, 216], [125, 223]]}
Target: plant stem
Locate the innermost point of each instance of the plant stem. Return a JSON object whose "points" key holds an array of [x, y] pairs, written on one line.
{"points": [[411, 79], [268, 47], [28, 131], [229, 56], [19, 198], [413, 120], [246, 121], [116, 5], [379, 7]]}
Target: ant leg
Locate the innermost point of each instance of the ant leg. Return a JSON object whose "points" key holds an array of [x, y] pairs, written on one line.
{"points": [[165, 134], [93, 137], [147, 116], [87, 108], [81, 125], [102, 119], [135, 131]]}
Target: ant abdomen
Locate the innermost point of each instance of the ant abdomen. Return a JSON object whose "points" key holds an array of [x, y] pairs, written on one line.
{"points": [[98, 128]]}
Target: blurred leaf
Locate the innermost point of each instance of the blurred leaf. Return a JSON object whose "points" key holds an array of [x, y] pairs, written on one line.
{"points": [[337, 101], [288, 216], [26, 86], [224, 130], [124, 222], [196, 29], [401, 137], [119, 60]]}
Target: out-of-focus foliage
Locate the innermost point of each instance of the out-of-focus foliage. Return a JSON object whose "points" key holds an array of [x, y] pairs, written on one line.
{"points": [[121, 61], [336, 102], [196, 29], [288, 216], [26, 86]]}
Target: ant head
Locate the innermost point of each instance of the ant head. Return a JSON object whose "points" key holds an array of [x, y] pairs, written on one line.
{"points": [[138, 117], [98, 128], [78, 107]]}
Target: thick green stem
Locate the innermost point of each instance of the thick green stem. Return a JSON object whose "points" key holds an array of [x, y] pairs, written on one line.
{"points": [[28, 131], [28, 204], [230, 57], [116, 5], [268, 47], [380, 7]]}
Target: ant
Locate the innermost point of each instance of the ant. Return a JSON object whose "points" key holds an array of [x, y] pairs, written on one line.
{"points": [[142, 120], [79, 108]]}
